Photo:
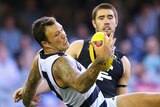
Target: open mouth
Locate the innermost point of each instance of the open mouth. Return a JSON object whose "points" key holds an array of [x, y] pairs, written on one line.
{"points": [[66, 41], [106, 29]]}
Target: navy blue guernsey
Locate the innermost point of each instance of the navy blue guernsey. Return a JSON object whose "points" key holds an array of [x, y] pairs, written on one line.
{"points": [[106, 81]]}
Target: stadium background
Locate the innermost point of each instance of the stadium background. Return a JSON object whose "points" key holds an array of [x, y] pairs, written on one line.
{"points": [[137, 35]]}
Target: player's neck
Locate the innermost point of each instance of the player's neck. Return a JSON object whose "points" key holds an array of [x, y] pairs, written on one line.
{"points": [[52, 51]]}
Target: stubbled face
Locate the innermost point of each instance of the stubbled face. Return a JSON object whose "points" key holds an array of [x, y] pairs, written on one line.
{"points": [[57, 37], [105, 21]]}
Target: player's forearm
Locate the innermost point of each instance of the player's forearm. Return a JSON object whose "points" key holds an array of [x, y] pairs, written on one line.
{"points": [[28, 96], [86, 80], [30, 88]]}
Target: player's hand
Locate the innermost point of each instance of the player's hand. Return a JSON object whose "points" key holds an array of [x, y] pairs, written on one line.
{"points": [[17, 95], [36, 101], [107, 48]]}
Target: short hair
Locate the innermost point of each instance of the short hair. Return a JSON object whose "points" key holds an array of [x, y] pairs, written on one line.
{"points": [[38, 28], [104, 6]]}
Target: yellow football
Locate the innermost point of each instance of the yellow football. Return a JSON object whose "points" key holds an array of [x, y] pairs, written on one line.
{"points": [[98, 38]]}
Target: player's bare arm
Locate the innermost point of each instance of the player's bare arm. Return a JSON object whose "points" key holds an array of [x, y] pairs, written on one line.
{"points": [[70, 76], [42, 88], [17, 95], [123, 82], [76, 45], [31, 84]]}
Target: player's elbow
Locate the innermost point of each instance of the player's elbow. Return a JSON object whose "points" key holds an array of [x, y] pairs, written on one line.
{"points": [[82, 89]]}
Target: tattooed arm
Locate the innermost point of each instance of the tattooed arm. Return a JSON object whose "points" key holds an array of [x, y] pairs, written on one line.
{"points": [[68, 75], [31, 84], [42, 88]]}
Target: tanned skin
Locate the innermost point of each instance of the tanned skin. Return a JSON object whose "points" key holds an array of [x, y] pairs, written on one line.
{"points": [[74, 79], [32, 83]]}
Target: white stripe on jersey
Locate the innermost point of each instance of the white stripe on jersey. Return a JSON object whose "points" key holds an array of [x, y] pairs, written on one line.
{"points": [[99, 100]]}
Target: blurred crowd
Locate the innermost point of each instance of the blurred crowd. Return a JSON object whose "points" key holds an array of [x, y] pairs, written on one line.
{"points": [[138, 36]]}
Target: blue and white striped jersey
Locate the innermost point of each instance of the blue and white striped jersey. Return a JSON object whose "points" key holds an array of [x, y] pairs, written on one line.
{"points": [[72, 98]]}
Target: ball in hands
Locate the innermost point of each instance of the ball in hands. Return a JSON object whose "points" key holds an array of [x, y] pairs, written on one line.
{"points": [[98, 39]]}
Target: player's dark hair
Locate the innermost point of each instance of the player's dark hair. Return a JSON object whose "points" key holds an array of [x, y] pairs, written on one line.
{"points": [[104, 6], [39, 28]]}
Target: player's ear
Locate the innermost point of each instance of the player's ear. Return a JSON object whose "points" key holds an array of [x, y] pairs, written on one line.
{"points": [[116, 23], [94, 24], [44, 43]]}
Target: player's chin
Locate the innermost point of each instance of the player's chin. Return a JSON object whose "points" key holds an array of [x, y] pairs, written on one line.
{"points": [[66, 47], [66, 44]]}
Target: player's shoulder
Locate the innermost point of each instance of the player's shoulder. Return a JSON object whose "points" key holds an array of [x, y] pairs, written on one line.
{"points": [[119, 53], [37, 55], [77, 42], [76, 45], [64, 60], [123, 57]]}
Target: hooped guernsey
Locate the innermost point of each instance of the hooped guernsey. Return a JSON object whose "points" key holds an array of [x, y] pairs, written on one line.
{"points": [[72, 98]]}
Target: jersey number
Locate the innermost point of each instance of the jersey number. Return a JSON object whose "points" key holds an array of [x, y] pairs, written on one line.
{"points": [[103, 75]]}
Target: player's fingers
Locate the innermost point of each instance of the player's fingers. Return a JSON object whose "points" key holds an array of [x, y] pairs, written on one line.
{"points": [[40, 99], [93, 44], [16, 94], [35, 98], [18, 99], [112, 43], [36, 101], [105, 33], [33, 103], [20, 92], [111, 35], [104, 40]]}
